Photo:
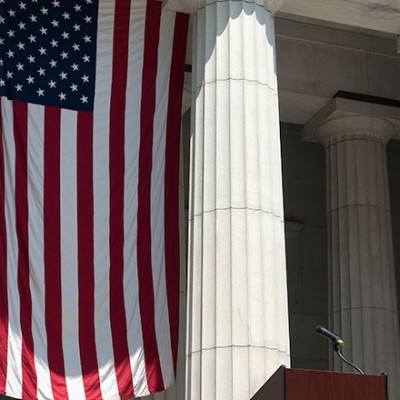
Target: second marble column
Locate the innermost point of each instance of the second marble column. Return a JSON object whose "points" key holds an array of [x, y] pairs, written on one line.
{"points": [[363, 301]]}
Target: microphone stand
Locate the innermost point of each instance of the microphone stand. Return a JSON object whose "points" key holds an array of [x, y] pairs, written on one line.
{"points": [[336, 348]]}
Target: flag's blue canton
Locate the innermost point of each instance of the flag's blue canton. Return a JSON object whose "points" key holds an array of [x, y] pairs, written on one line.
{"points": [[48, 52]]}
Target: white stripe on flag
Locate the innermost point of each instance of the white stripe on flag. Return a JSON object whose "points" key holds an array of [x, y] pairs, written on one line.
{"points": [[104, 345], [36, 246], [14, 363], [69, 255], [161, 317], [132, 144]]}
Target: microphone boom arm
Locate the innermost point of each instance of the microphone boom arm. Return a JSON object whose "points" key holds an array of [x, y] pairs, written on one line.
{"points": [[336, 348]]}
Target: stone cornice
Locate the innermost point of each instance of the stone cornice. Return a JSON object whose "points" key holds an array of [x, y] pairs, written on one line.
{"points": [[191, 6]]}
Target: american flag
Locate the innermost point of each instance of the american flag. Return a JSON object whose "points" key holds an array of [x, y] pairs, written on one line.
{"points": [[90, 102]]}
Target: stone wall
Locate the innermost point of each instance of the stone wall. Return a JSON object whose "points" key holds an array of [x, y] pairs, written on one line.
{"points": [[393, 152], [305, 216]]}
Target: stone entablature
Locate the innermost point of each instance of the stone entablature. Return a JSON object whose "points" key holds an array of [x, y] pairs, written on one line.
{"points": [[191, 6]]}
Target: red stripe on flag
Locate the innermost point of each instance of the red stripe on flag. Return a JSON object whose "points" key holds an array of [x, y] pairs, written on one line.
{"points": [[52, 252], [117, 172], [3, 271], [171, 191], [29, 377], [87, 339], [146, 290]]}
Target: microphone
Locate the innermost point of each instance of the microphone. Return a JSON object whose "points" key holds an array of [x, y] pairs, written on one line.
{"points": [[336, 340]]}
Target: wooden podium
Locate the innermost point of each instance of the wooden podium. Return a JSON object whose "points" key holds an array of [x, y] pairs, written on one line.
{"points": [[295, 384]]}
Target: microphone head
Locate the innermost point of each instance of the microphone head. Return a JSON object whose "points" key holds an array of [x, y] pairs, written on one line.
{"points": [[330, 335]]}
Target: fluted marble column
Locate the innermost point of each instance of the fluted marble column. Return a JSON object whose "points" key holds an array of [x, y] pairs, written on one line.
{"points": [[237, 298], [363, 302]]}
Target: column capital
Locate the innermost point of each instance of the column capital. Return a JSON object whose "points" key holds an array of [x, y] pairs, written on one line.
{"points": [[347, 127], [191, 6], [350, 119]]}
